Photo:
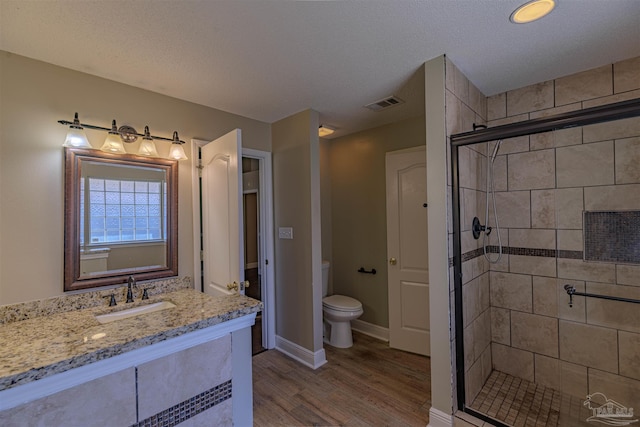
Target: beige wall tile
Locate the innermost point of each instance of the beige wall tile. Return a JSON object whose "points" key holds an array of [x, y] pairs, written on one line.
{"points": [[473, 268], [184, 375], [613, 314], [497, 106], [558, 138], [585, 85], [627, 161], [532, 238], [625, 96], [512, 291], [456, 81], [589, 345], [622, 390], [475, 295], [513, 361], [532, 170], [578, 269], [545, 296], [469, 348], [501, 325], [539, 266], [618, 129], [578, 310], [500, 173], [569, 207], [629, 344], [473, 381], [570, 240], [518, 144], [547, 371], [618, 197], [477, 102], [585, 165], [508, 120], [557, 110], [472, 204], [574, 379], [626, 75], [514, 209], [472, 169], [453, 115], [530, 98], [628, 274], [82, 405], [482, 332], [531, 332], [543, 209]]}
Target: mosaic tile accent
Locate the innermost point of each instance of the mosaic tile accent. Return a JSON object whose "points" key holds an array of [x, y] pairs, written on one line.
{"points": [[188, 408], [509, 250], [612, 236]]}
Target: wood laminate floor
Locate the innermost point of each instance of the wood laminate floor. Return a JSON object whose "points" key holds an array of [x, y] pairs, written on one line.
{"points": [[368, 384]]}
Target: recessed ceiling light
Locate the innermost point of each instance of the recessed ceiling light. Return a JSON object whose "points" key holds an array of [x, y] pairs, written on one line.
{"points": [[532, 10], [325, 130]]}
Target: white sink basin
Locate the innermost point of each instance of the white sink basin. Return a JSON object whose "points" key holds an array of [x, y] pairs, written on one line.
{"points": [[135, 311]]}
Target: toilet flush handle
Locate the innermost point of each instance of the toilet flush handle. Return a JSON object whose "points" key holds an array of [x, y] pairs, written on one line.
{"points": [[392, 261]]}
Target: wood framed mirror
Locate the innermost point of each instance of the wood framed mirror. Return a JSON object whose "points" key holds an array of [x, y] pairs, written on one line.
{"points": [[121, 216]]}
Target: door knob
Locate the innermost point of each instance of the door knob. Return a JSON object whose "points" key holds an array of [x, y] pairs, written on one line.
{"points": [[246, 284], [233, 286], [392, 261]]}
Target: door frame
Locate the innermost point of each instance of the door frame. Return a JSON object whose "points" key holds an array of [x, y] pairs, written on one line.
{"points": [[267, 250]]}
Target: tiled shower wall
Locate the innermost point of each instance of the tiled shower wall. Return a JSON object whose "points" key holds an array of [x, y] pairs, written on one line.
{"points": [[516, 313], [466, 105]]}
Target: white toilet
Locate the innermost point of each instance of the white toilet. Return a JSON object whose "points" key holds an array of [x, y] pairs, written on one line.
{"points": [[338, 312]]}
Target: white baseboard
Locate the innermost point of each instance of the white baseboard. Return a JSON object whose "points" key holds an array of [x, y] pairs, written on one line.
{"points": [[370, 329], [437, 418], [301, 354]]}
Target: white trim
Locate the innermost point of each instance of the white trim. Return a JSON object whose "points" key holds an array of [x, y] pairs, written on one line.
{"points": [[301, 354], [265, 192], [375, 331], [38, 389], [438, 418]]}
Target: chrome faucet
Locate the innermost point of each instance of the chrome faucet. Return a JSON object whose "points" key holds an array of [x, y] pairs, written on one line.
{"points": [[131, 284]]}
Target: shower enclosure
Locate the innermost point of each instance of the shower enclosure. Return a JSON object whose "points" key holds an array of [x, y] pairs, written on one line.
{"points": [[549, 334]]}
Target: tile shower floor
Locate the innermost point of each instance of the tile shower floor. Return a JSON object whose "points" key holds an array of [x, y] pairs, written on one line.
{"points": [[519, 402]]}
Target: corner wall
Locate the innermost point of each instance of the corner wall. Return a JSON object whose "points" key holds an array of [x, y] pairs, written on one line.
{"points": [[296, 189]]}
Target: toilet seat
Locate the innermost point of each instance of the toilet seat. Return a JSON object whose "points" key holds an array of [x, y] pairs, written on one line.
{"points": [[342, 303]]}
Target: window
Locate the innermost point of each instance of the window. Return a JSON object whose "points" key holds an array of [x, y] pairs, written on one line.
{"points": [[122, 211]]}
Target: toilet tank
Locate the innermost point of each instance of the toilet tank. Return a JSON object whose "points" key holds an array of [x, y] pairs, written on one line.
{"points": [[325, 278]]}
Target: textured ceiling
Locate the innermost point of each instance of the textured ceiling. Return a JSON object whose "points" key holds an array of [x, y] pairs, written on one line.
{"points": [[268, 59]]}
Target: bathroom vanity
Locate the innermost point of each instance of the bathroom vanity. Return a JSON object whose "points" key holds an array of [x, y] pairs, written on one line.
{"points": [[188, 362]]}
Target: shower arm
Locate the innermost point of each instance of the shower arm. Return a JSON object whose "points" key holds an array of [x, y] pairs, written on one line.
{"points": [[571, 291]]}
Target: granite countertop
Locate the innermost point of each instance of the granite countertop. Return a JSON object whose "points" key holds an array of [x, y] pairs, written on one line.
{"points": [[38, 347]]}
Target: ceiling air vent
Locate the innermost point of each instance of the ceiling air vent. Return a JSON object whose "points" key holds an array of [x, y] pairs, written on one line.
{"points": [[385, 103]]}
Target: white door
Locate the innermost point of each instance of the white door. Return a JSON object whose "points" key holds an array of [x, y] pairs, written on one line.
{"points": [[223, 251], [408, 272]]}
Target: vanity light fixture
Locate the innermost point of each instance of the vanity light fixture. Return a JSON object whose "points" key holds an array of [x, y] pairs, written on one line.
{"points": [[117, 136], [76, 136], [147, 147], [113, 142], [176, 152], [532, 11], [325, 130]]}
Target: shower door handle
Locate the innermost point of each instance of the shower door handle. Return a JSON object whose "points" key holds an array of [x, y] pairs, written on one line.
{"points": [[392, 261]]}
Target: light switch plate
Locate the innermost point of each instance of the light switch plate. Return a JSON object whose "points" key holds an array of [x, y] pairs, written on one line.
{"points": [[285, 232]]}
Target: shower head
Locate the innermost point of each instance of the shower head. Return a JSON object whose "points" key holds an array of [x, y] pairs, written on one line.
{"points": [[495, 150]]}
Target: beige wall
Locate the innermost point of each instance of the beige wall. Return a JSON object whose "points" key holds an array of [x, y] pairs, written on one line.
{"points": [[296, 183], [34, 95], [358, 212]]}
